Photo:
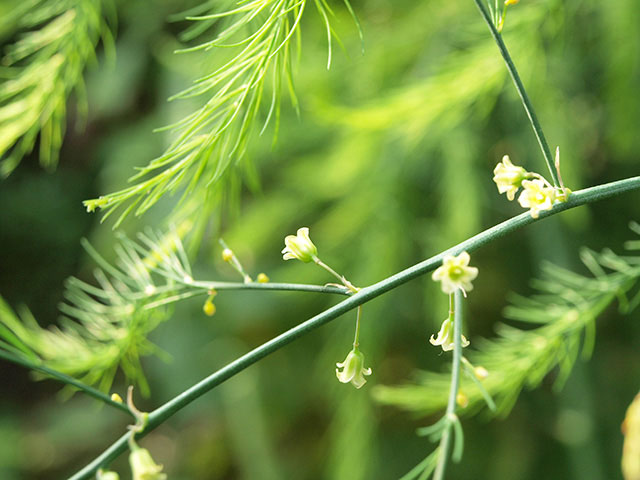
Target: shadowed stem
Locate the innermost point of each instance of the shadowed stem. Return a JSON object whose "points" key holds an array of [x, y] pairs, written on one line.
{"points": [[537, 128], [445, 440], [92, 392], [161, 414]]}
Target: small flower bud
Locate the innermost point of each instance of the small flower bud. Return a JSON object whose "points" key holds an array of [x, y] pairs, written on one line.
{"points": [[462, 400], [299, 246], [227, 254], [209, 308], [143, 467], [511, 2], [445, 337], [262, 278], [353, 369], [116, 398], [455, 273], [481, 373]]}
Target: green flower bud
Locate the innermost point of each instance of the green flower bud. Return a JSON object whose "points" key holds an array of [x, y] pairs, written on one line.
{"points": [[353, 369]]}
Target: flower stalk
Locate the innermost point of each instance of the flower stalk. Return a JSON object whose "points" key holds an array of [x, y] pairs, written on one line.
{"points": [[168, 409], [445, 440]]}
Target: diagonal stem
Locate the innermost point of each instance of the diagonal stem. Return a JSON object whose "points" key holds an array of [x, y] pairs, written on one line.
{"points": [[535, 124], [158, 416], [92, 392]]}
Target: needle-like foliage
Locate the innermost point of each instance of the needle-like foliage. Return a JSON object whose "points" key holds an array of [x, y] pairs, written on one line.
{"points": [[107, 325], [563, 312], [54, 40], [213, 138]]}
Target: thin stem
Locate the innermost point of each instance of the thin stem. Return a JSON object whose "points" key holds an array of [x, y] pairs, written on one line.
{"points": [[445, 440], [296, 287], [357, 335], [161, 414], [92, 392], [342, 279], [535, 124], [235, 263]]}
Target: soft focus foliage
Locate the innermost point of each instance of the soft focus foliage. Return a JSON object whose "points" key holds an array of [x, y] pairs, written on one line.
{"points": [[389, 160]]}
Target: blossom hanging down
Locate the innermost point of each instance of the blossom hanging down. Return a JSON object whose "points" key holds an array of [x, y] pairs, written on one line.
{"points": [[445, 337], [508, 177], [455, 273], [536, 196], [353, 369], [300, 247], [143, 467]]}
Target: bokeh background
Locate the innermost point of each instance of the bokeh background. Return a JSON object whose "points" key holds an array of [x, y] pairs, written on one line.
{"points": [[389, 162]]}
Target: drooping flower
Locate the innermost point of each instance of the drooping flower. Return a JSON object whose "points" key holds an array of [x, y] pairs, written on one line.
{"points": [[143, 467], [455, 273], [300, 246], [353, 369], [445, 337], [536, 196], [508, 177]]}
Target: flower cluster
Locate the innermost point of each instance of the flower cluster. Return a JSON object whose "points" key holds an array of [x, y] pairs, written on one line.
{"points": [[537, 193]]}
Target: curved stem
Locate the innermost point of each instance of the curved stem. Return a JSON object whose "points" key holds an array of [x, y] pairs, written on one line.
{"points": [[445, 440], [342, 279], [535, 124], [92, 392], [165, 411]]}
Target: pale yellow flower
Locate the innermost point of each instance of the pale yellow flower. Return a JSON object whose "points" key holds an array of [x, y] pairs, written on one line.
{"points": [[143, 467], [455, 273], [445, 337], [536, 196], [300, 246], [353, 369], [508, 177]]}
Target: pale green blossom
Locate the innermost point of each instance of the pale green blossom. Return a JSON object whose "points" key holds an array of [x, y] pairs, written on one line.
{"points": [[455, 273], [143, 467], [536, 196], [300, 247], [445, 337], [508, 177], [353, 369]]}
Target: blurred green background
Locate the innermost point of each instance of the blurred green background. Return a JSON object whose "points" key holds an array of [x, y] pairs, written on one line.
{"points": [[389, 162]]}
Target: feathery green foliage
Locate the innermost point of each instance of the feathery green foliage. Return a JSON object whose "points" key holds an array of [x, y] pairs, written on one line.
{"points": [[55, 39], [106, 326], [214, 138], [563, 312]]}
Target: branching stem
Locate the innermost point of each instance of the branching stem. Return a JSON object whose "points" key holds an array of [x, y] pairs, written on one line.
{"points": [[161, 414], [535, 124]]}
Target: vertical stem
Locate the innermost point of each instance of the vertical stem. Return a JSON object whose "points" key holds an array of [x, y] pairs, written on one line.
{"points": [[357, 336], [445, 441], [528, 107]]}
